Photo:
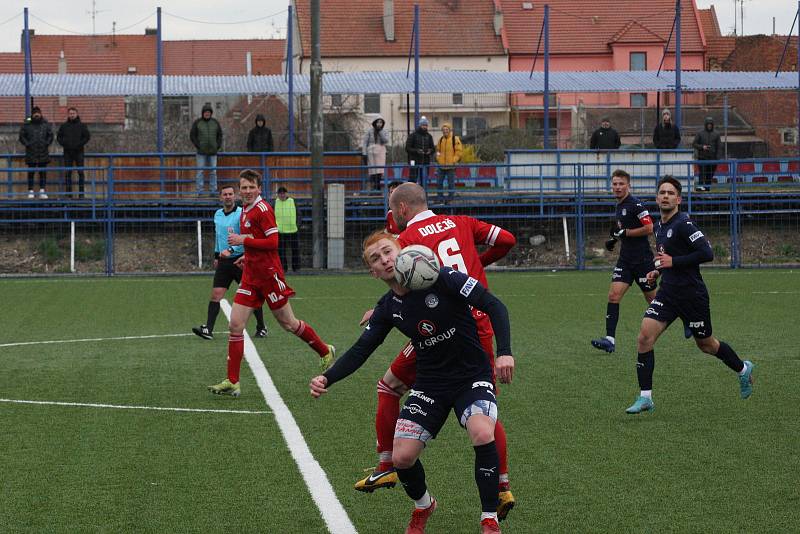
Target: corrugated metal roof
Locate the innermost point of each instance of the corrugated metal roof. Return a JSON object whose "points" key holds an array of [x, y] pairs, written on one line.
{"points": [[397, 82]]}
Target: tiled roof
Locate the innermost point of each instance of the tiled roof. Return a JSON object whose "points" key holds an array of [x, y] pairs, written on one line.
{"points": [[636, 32], [709, 22], [578, 28], [447, 28], [223, 58]]}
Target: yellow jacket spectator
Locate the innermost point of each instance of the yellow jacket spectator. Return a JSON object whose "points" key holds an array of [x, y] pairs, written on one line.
{"points": [[448, 154], [448, 149], [287, 220]]}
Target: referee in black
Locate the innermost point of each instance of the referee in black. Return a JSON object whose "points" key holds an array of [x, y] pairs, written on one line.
{"points": [[226, 263], [681, 247]]}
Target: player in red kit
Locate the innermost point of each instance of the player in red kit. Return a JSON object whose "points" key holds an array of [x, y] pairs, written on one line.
{"points": [[453, 238], [391, 225], [262, 281]]}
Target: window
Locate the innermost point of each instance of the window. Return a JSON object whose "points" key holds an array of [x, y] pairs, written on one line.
{"points": [[638, 100], [638, 61], [434, 122], [336, 101], [789, 136], [476, 125], [458, 99], [372, 103], [458, 126]]}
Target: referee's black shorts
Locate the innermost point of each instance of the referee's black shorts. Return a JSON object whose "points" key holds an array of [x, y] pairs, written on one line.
{"points": [[227, 272]]}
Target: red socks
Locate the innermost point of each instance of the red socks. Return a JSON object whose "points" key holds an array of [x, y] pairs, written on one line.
{"points": [[235, 354], [502, 452], [385, 420], [307, 334]]}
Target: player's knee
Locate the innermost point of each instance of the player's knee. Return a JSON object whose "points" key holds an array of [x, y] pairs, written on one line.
{"points": [[288, 324], [614, 297], [482, 435], [707, 345], [403, 459], [236, 326], [645, 341]]}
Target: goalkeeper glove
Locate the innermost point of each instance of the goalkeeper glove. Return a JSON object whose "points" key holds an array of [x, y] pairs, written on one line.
{"points": [[610, 244], [618, 233]]}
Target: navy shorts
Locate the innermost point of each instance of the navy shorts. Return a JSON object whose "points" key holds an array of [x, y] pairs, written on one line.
{"points": [[628, 273], [226, 273], [693, 308], [427, 406]]}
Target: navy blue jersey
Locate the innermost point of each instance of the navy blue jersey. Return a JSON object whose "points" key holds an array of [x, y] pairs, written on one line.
{"points": [[632, 214], [440, 325], [680, 238]]}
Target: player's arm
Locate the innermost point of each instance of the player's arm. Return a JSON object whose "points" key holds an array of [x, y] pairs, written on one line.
{"points": [[644, 230], [499, 241], [701, 251], [470, 290], [372, 337]]}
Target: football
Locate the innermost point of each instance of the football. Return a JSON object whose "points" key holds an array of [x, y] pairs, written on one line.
{"points": [[416, 267]]}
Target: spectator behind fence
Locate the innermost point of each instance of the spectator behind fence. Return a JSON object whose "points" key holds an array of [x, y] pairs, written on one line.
{"points": [[36, 136], [373, 151], [707, 144], [73, 136], [605, 137], [448, 154], [419, 147], [666, 135], [206, 136], [288, 223], [260, 137]]}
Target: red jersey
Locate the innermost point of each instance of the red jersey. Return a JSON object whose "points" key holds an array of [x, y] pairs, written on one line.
{"points": [[260, 260], [452, 238]]}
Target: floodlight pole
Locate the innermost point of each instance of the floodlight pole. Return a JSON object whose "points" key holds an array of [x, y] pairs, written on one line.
{"points": [[678, 89], [416, 66], [159, 100], [27, 51], [317, 186], [797, 134], [546, 139], [290, 75]]}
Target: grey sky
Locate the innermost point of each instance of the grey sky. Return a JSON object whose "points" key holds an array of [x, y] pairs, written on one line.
{"points": [[72, 16]]}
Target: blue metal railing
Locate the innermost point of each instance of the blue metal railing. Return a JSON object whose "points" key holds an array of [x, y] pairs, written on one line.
{"points": [[552, 190]]}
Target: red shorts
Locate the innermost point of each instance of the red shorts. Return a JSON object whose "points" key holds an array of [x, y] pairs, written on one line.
{"points": [[272, 289], [404, 366]]}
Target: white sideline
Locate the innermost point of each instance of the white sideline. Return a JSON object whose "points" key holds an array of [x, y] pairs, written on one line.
{"points": [[333, 513], [126, 407], [55, 341]]}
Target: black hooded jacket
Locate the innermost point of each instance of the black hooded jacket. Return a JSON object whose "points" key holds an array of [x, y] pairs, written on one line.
{"points": [[36, 136], [419, 147], [260, 137], [666, 137], [707, 138], [73, 135]]}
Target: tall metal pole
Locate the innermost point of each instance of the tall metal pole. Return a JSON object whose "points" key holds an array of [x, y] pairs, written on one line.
{"points": [[546, 76], [678, 64], [290, 72], [317, 186], [797, 136], [27, 51], [159, 95], [416, 65]]}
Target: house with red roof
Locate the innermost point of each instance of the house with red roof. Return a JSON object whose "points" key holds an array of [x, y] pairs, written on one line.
{"points": [[372, 35], [602, 35]]}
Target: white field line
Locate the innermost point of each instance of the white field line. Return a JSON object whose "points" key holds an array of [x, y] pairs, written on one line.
{"points": [[333, 513], [87, 340], [126, 407]]}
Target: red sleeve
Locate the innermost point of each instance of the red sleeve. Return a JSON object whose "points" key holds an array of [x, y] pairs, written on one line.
{"points": [[503, 243], [498, 240], [266, 243], [391, 226]]}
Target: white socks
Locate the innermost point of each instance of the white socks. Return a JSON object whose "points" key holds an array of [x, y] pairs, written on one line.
{"points": [[647, 393], [424, 502]]}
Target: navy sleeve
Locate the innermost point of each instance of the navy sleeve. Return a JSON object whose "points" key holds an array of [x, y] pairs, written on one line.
{"points": [[374, 333], [471, 291], [701, 248]]}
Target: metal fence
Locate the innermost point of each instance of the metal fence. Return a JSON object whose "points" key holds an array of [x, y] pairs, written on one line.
{"points": [[138, 215]]}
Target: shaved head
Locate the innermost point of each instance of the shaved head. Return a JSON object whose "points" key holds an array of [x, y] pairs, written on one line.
{"points": [[406, 201]]}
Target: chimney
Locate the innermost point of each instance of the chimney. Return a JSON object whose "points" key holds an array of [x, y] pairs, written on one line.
{"points": [[151, 31], [498, 21], [388, 19], [62, 69]]}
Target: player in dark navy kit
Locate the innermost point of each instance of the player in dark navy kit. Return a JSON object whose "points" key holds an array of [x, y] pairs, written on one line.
{"points": [[453, 372], [632, 228], [681, 248]]}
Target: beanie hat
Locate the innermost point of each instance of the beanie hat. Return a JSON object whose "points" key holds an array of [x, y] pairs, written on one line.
{"points": [[423, 120], [36, 109]]}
